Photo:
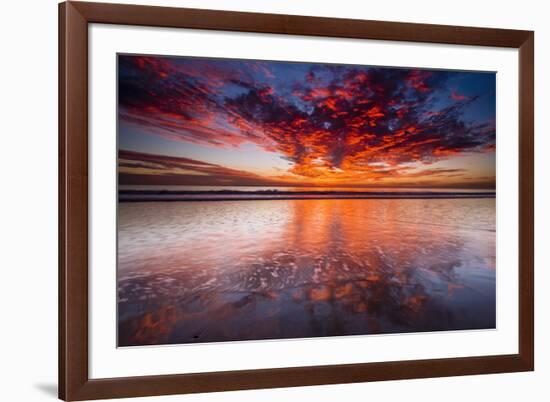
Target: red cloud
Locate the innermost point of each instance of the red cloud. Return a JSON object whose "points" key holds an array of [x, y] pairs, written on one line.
{"points": [[328, 129], [457, 97]]}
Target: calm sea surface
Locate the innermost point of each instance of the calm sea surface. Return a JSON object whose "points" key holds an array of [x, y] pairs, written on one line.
{"points": [[191, 272], [130, 187]]}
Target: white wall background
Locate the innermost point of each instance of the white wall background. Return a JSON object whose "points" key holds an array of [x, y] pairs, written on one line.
{"points": [[28, 200]]}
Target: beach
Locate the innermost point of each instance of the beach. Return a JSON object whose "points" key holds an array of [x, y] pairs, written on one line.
{"points": [[196, 271]]}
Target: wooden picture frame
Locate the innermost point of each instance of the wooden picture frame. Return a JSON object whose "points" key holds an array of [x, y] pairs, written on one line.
{"points": [[74, 381]]}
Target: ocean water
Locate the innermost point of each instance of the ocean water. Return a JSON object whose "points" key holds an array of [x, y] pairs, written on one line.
{"points": [[131, 187], [192, 272]]}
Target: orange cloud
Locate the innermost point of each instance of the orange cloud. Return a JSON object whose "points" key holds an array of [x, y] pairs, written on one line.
{"points": [[333, 130]]}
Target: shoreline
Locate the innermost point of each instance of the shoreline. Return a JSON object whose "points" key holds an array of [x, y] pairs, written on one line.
{"points": [[152, 196]]}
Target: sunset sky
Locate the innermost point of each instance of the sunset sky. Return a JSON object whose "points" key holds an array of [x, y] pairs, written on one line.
{"points": [[222, 122]]}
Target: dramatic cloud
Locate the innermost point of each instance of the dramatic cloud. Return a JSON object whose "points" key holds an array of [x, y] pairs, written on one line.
{"points": [[137, 168], [143, 168], [331, 123]]}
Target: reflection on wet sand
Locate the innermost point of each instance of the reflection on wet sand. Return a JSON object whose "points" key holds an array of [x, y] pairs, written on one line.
{"points": [[219, 271]]}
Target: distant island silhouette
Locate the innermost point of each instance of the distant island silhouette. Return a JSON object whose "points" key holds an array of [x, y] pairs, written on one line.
{"points": [[234, 195]]}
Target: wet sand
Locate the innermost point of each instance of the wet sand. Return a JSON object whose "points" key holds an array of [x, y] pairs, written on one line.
{"points": [[217, 271]]}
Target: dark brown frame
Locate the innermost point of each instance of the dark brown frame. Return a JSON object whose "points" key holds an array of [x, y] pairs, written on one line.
{"points": [[74, 382]]}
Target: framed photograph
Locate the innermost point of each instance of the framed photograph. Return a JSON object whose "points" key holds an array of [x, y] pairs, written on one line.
{"points": [[257, 201]]}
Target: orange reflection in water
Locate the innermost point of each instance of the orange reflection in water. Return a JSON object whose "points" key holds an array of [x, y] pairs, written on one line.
{"points": [[239, 270]]}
